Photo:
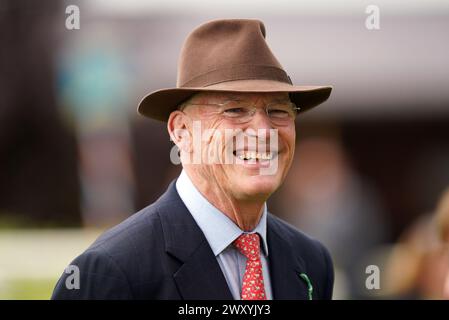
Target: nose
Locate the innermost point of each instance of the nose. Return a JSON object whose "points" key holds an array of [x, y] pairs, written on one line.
{"points": [[260, 121], [258, 130]]}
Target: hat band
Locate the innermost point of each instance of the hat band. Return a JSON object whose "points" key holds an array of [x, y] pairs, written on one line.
{"points": [[238, 72]]}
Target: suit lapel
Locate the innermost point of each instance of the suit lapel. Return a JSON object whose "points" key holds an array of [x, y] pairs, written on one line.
{"points": [[200, 276], [285, 267]]}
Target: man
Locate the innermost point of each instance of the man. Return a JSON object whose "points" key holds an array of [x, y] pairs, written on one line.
{"points": [[209, 236]]}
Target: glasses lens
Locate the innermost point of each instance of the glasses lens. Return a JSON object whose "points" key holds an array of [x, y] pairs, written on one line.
{"points": [[237, 111], [280, 113]]}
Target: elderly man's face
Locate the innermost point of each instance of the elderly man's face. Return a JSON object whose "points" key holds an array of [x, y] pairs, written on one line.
{"points": [[244, 177]]}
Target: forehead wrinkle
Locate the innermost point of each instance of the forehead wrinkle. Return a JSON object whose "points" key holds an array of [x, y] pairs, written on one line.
{"points": [[211, 97]]}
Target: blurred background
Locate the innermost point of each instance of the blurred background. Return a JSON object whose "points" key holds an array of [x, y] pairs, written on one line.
{"points": [[371, 163]]}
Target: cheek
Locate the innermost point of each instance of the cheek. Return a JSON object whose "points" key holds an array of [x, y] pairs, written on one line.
{"points": [[287, 139], [213, 141]]}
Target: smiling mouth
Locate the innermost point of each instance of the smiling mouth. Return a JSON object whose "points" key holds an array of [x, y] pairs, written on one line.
{"points": [[253, 155]]}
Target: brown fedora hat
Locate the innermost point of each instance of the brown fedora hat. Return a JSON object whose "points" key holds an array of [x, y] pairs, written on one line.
{"points": [[228, 56]]}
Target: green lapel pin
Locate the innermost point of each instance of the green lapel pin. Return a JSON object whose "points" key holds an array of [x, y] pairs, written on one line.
{"points": [[309, 284]]}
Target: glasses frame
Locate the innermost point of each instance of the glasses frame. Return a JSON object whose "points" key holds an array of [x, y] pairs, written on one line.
{"points": [[254, 109]]}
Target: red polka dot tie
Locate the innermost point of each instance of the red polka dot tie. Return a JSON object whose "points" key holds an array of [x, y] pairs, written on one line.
{"points": [[253, 287]]}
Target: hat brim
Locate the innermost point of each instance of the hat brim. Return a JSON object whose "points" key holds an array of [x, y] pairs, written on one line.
{"points": [[159, 104]]}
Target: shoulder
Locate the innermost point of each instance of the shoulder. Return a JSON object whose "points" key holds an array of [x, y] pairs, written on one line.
{"points": [[140, 229], [110, 267]]}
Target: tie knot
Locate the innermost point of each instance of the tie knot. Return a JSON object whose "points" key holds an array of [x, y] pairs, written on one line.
{"points": [[249, 245]]}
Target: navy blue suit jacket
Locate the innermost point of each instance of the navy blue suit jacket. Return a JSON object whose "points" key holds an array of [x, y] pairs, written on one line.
{"points": [[161, 253]]}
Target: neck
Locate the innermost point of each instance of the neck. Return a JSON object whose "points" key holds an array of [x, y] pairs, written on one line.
{"points": [[245, 214]]}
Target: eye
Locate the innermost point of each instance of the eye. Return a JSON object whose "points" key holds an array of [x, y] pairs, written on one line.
{"points": [[235, 112], [278, 113]]}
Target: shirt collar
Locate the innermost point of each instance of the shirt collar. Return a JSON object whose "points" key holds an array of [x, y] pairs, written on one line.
{"points": [[219, 230]]}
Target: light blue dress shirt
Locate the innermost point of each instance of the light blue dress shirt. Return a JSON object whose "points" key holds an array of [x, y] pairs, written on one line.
{"points": [[220, 232]]}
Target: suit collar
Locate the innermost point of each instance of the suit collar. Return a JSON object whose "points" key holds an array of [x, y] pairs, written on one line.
{"points": [[200, 276], [285, 266]]}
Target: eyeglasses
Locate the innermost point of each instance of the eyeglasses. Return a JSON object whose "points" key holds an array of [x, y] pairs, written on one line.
{"points": [[280, 113]]}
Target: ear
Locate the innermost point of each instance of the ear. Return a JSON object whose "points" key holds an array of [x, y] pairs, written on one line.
{"points": [[179, 130]]}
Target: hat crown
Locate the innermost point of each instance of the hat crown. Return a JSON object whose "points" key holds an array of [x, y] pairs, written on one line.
{"points": [[227, 50]]}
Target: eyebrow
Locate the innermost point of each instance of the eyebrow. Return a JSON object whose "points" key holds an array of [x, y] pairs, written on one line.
{"points": [[234, 98]]}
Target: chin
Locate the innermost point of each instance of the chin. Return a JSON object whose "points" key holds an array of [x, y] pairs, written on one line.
{"points": [[258, 186]]}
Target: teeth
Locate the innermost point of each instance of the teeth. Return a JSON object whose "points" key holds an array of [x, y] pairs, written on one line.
{"points": [[251, 155], [266, 156]]}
